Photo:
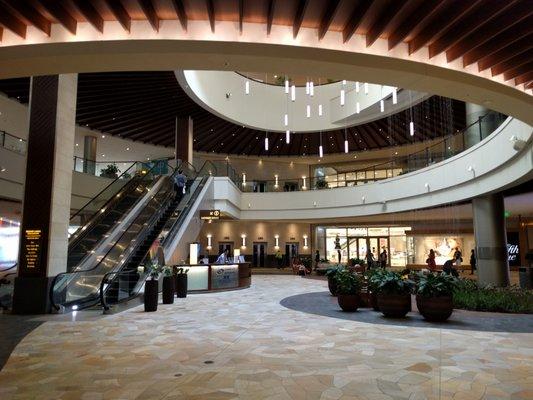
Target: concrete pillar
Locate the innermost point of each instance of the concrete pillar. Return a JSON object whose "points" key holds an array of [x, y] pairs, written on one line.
{"points": [[89, 154], [478, 131], [184, 139], [47, 191], [491, 240]]}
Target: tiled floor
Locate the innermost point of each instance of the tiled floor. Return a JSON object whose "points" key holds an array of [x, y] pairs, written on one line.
{"points": [[245, 344]]}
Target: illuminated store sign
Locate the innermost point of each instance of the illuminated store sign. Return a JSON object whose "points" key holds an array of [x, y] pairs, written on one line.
{"points": [[209, 214]]}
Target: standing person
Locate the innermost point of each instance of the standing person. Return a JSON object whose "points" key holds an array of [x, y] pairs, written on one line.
{"points": [[383, 258], [370, 259], [472, 262], [338, 247], [180, 181], [317, 258], [223, 258], [458, 257], [279, 258], [432, 265]]}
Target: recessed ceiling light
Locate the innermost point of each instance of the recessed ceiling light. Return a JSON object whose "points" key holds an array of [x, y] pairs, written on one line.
{"points": [[103, 136], [127, 149], [103, 155], [77, 144]]}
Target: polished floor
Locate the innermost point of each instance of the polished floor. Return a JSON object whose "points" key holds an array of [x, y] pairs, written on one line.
{"points": [[281, 339]]}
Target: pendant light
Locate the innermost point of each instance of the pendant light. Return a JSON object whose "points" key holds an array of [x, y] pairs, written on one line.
{"points": [[247, 87], [356, 87], [266, 141], [286, 85], [308, 112], [293, 93], [395, 95], [342, 97], [320, 148], [346, 150], [320, 110], [287, 136], [357, 108], [311, 89], [411, 123], [307, 87], [286, 120]]}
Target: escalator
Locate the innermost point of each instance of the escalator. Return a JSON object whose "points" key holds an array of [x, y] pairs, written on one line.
{"points": [[115, 273]]}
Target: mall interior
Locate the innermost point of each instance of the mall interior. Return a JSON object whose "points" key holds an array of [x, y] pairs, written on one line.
{"points": [[261, 199]]}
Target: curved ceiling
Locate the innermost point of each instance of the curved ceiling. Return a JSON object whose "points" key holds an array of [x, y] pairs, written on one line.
{"points": [[493, 34], [142, 106]]}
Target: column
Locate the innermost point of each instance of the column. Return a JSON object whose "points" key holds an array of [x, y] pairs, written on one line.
{"points": [[184, 139], [491, 240], [478, 131], [89, 154], [47, 191]]}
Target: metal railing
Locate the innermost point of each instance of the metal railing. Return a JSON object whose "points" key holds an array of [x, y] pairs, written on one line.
{"points": [[13, 143]]}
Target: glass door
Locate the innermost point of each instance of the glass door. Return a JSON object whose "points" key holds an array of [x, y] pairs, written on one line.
{"points": [[376, 246], [357, 247]]}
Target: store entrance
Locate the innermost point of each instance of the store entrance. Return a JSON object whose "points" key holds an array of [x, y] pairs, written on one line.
{"points": [[376, 246], [259, 254]]}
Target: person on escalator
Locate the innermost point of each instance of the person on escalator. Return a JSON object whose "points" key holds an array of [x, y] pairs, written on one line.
{"points": [[180, 180]]}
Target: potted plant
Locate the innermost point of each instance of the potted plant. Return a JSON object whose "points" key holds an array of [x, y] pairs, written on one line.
{"points": [[181, 282], [393, 293], [348, 290], [111, 171], [168, 285], [434, 296], [151, 288], [331, 273], [372, 279]]}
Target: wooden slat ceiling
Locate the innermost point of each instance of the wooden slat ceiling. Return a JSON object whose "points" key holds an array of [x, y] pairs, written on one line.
{"points": [[493, 34], [142, 106]]}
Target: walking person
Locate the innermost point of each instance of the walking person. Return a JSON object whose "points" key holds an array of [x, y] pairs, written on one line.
{"points": [[432, 265], [317, 258], [180, 181], [458, 257], [383, 258], [370, 259], [473, 262]]}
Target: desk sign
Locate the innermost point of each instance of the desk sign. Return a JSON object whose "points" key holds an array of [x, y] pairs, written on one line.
{"points": [[32, 247], [209, 214]]}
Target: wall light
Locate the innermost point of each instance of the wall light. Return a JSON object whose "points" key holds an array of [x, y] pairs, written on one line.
{"points": [[244, 178], [276, 242], [243, 241], [304, 186], [276, 181], [305, 242], [209, 242]]}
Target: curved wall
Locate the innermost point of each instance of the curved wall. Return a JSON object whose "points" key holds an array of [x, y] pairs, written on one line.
{"points": [[491, 165]]}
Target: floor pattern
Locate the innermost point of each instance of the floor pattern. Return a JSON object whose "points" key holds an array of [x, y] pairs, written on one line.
{"points": [[246, 345]]}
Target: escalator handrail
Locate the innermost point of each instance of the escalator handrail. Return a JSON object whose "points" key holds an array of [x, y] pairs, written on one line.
{"points": [[144, 228], [106, 280]]}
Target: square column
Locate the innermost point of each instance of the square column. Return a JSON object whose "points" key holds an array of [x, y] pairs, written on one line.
{"points": [[184, 139], [47, 191]]}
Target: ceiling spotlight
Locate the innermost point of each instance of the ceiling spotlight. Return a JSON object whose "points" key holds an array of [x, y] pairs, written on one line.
{"points": [[127, 149], [103, 136]]}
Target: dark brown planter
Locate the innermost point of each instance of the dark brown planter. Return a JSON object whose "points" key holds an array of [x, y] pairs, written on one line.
{"points": [[348, 302], [151, 295], [374, 301], [168, 290], [365, 299], [181, 285], [435, 309], [332, 285], [394, 305]]}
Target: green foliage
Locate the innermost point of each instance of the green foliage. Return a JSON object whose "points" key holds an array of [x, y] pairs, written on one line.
{"points": [[355, 261], [435, 285], [468, 295], [372, 276], [348, 282], [154, 270], [167, 271], [110, 171], [321, 184], [331, 272], [181, 270], [390, 282]]}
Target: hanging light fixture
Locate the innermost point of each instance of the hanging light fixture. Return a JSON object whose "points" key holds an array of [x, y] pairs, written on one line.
{"points": [[308, 112], [382, 105], [411, 124], [346, 150], [395, 95], [343, 82], [293, 93], [266, 141], [287, 136], [342, 97], [307, 87], [244, 178], [311, 89], [357, 108], [320, 148], [320, 110], [247, 87], [286, 120], [412, 128], [366, 87], [286, 86], [356, 87]]}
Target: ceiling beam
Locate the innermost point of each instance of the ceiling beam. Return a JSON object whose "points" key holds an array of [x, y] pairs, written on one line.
{"points": [[503, 21], [91, 15], [513, 62], [383, 20], [459, 30], [60, 14], [211, 14], [527, 77], [327, 17], [270, 15], [179, 7], [149, 12], [505, 53], [453, 11], [356, 18], [30, 14], [120, 13], [299, 17], [9, 21], [422, 13], [515, 72]]}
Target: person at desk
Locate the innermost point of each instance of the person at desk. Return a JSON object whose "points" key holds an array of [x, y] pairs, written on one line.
{"points": [[223, 258]]}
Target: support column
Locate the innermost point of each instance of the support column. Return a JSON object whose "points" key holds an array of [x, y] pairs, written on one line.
{"points": [[480, 131], [184, 139], [47, 191], [89, 154], [491, 240]]}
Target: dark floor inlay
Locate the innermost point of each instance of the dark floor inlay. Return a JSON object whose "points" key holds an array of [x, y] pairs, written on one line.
{"points": [[14, 328]]}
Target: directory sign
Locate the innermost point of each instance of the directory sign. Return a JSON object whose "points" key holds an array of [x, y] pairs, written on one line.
{"points": [[209, 214], [32, 248]]}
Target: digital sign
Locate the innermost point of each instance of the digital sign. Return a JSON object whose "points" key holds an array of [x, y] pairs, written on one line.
{"points": [[32, 248], [209, 214]]}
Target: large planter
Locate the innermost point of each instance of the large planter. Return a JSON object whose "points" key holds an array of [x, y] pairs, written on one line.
{"points": [[374, 301], [181, 285], [394, 305], [151, 295], [435, 308], [348, 302], [168, 290], [332, 285]]}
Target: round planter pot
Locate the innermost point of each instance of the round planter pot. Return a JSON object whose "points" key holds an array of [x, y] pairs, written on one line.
{"points": [[435, 309], [151, 295], [374, 301], [168, 290], [348, 302], [181, 285], [394, 305], [332, 286]]}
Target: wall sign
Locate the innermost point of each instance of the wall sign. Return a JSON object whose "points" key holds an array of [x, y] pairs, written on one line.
{"points": [[32, 248], [224, 276], [260, 238], [209, 214], [513, 249]]}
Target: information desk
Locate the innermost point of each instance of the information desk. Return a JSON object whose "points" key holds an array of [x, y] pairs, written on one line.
{"points": [[212, 277]]}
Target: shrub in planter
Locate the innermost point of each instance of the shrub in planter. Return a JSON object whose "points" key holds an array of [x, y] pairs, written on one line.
{"points": [[348, 290], [372, 278], [151, 288], [181, 282], [434, 296], [168, 286], [393, 294], [111, 171], [331, 273], [321, 184]]}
